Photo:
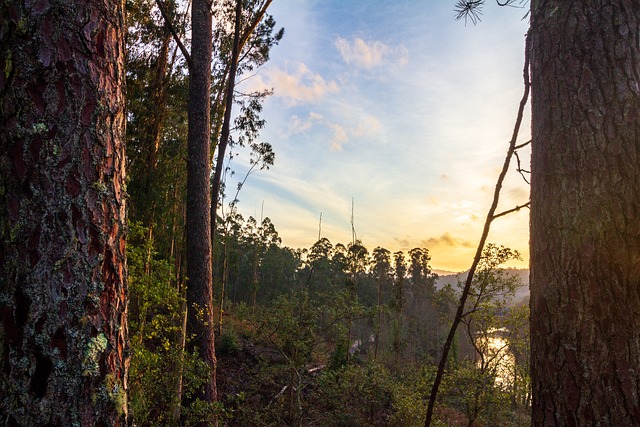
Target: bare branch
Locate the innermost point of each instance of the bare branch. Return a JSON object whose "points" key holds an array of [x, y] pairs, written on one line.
{"points": [[516, 209], [520, 170]]}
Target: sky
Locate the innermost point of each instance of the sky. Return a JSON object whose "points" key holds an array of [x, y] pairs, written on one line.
{"points": [[399, 108]]}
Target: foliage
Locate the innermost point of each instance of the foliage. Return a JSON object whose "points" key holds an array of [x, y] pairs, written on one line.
{"points": [[290, 360], [488, 382], [159, 366]]}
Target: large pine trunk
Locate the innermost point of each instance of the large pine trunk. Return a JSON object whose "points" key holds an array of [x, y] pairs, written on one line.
{"points": [[200, 320], [585, 212], [63, 331]]}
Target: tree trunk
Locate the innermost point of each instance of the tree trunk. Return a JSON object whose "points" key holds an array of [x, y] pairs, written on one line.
{"points": [[585, 212], [157, 97], [226, 124], [379, 319], [199, 286], [63, 329]]}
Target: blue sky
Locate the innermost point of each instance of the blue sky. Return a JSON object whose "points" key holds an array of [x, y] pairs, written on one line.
{"points": [[400, 107]]}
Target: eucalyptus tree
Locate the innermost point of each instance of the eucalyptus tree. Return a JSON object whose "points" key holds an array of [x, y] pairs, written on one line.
{"points": [[399, 298], [358, 261], [421, 313], [242, 48], [488, 374], [383, 275]]}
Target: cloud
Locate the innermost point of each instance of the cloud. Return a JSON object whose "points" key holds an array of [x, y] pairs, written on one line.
{"points": [[370, 54], [367, 125], [298, 125], [464, 211], [402, 243], [446, 240], [340, 134], [296, 86]]}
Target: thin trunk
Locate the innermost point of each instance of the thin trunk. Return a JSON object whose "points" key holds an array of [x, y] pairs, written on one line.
{"points": [[352, 296], [375, 352], [179, 383], [199, 285], [226, 124], [254, 284], [585, 213], [223, 287], [63, 293], [222, 145], [147, 261], [158, 96]]}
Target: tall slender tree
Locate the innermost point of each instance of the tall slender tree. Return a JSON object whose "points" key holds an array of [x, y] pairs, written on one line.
{"points": [[253, 49], [200, 319], [383, 276], [585, 212], [62, 213]]}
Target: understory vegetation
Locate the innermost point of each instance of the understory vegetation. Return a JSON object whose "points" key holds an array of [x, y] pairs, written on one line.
{"points": [[330, 335]]}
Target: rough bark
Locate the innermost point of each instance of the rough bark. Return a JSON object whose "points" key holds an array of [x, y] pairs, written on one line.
{"points": [[585, 213], [199, 286], [63, 331]]}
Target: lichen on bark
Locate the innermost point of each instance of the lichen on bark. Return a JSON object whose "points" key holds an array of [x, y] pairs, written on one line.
{"points": [[62, 240]]}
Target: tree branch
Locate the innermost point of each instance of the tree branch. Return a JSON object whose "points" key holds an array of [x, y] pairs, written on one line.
{"points": [[254, 24], [520, 170], [173, 32], [516, 209]]}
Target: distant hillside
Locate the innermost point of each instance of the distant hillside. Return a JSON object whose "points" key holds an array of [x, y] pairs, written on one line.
{"points": [[522, 273]]}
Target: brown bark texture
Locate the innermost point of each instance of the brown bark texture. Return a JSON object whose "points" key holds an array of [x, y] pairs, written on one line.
{"points": [[585, 212], [199, 283], [63, 332]]}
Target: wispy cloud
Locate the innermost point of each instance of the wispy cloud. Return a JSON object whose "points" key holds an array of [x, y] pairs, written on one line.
{"points": [[446, 240], [298, 125], [295, 84], [341, 134], [370, 54]]}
